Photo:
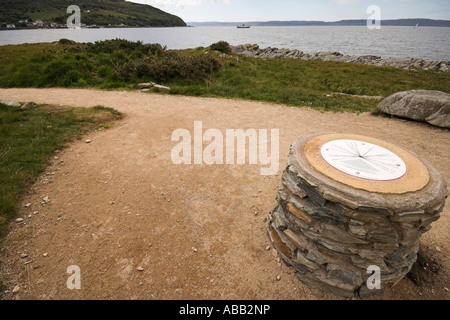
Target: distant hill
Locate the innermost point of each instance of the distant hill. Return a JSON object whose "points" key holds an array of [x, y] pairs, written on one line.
{"points": [[94, 12], [397, 22]]}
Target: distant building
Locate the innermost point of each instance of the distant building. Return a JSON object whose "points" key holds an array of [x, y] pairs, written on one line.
{"points": [[23, 21], [11, 26], [38, 23]]}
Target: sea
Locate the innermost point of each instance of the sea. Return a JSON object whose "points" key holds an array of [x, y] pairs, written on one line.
{"points": [[429, 43]]}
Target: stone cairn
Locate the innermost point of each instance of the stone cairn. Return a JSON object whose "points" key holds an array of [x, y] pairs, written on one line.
{"points": [[332, 226]]}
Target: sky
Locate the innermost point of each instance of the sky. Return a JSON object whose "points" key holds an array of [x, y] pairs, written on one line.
{"points": [[322, 10]]}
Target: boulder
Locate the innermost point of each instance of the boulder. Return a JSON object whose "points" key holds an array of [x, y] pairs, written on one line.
{"points": [[420, 105], [10, 103]]}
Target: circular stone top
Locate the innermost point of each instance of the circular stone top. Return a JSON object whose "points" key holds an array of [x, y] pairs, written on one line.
{"points": [[366, 163], [363, 160]]}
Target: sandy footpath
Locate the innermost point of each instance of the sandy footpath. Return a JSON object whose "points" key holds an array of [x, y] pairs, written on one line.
{"points": [[140, 227]]}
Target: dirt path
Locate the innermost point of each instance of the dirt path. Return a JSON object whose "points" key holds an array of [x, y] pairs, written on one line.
{"points": [[119, 203]]}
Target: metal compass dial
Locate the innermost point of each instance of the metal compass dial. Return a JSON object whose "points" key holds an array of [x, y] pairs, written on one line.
{"points": [[363, 160]]}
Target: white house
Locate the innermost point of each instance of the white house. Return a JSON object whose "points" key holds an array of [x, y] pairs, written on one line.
{"points": [[38, 23]]}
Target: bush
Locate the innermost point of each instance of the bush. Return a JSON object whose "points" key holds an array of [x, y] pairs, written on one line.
{"points": [[222, 46], [66, 41], [109, 64]]}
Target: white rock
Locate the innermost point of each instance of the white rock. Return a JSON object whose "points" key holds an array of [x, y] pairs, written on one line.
{"points": [[16, 289], [161, 88], [10, 103]]}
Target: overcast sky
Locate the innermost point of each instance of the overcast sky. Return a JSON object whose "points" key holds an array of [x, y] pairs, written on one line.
{"points": [[326, 10]]}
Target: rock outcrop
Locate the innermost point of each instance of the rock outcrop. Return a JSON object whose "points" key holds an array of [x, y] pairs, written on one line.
{"points": [[253, 50], [420, 105]]}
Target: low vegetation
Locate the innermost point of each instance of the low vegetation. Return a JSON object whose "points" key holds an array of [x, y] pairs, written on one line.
{"points": [[209, 72], [29, 137], [105, 64], [222, 46]]}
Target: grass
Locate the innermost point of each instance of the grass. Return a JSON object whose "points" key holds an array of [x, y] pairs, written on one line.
{"points": [[310, 83], [204, 72], [28, 139], [106, 64]]}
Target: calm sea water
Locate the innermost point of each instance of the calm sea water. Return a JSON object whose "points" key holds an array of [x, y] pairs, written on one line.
{"points": [[423, 42]]}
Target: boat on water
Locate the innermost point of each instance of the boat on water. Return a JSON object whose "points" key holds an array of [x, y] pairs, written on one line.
{"points": [[243, 27]]}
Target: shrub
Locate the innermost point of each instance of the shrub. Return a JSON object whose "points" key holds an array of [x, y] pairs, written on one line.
{"points": [[109, 64], [222, 46], [66, 41]]}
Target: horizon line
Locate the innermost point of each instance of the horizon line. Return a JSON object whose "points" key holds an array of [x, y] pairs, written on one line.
{"points": [[363, 19]]}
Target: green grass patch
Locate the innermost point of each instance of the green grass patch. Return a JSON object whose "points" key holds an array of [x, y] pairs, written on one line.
{"points": [[28, 138], [310, 83], [113, 64]]}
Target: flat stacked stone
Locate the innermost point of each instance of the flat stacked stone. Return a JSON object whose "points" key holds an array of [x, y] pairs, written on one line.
{"points": [[331, 226]]}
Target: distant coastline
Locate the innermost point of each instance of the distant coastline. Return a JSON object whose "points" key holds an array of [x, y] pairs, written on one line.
{"points": [[344, 23]]}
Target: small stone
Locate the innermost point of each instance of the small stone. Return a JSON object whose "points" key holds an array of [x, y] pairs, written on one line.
{"points": [[446, 289], [46, 199], [194, 249], [140, 269], [27, 205], [23, 256], [278, 278], [28, 105], [146, 85], [45, 254], [268, 248], [161, 88], [16, 289], [438, 249], [19, 220], [88, 141], [35, 212]]}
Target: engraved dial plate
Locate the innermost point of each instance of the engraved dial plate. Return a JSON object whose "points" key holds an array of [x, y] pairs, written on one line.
{"points": [[363, 160]]}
